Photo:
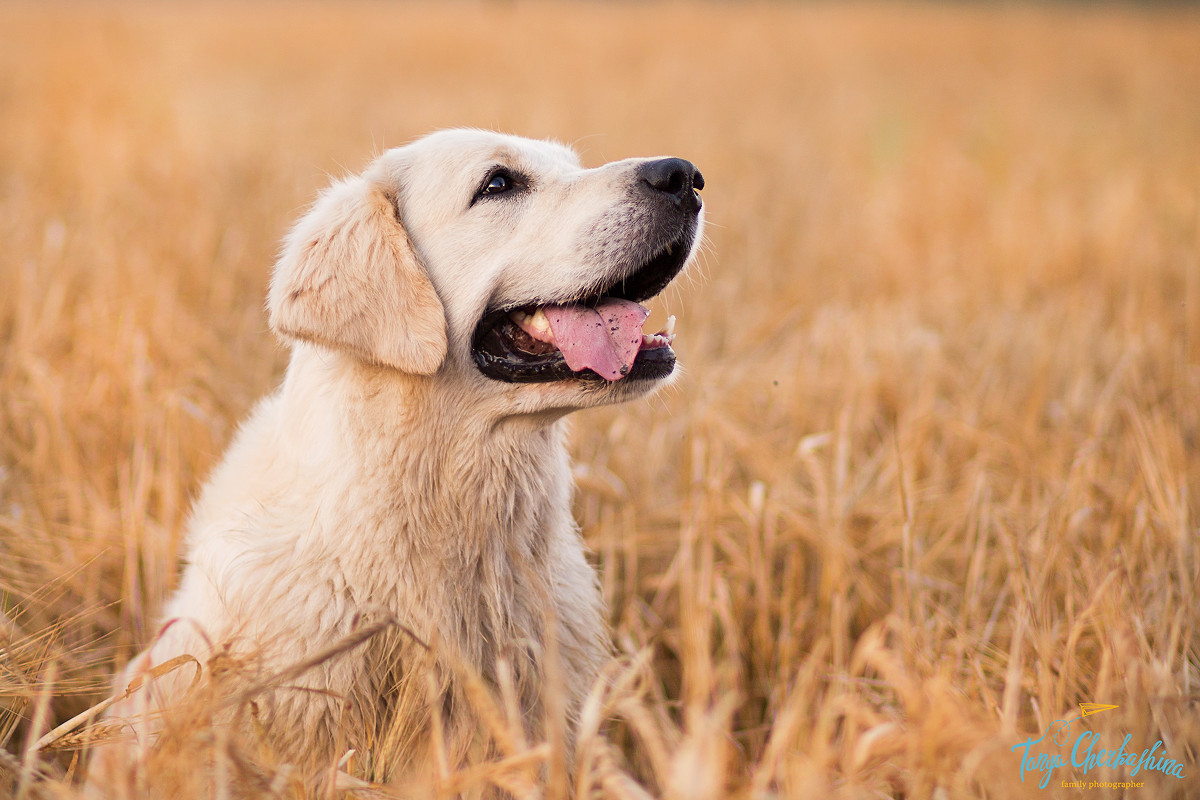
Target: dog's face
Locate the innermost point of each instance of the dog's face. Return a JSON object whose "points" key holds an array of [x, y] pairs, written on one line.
{"points": [[497, 264]]}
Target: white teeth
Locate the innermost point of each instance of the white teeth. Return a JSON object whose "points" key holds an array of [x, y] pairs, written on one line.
{"points": [[656, 340], [667, 334], [537, 320]]}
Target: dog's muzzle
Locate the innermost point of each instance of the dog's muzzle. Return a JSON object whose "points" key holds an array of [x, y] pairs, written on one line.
{"points": [[598, 336]]}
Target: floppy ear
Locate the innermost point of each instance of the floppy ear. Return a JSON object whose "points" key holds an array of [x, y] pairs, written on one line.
{"points": [[348, 278]]}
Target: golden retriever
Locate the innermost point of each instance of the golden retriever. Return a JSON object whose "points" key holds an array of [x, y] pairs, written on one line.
{"points": [[445, 309]]}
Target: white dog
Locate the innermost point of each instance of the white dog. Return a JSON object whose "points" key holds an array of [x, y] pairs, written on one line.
{"points": [[445, 310]]}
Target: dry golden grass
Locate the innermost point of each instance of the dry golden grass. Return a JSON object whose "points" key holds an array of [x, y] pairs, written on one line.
{"points": [[932, 476]]}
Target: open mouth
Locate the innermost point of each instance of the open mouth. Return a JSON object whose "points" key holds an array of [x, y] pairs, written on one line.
{"points": [[594, 338]]}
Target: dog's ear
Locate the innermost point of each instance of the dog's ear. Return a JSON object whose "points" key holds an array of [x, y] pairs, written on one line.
{"points": [[348, 277]]}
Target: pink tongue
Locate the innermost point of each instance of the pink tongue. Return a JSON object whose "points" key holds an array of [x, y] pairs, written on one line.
{"points": [[605, 338]]}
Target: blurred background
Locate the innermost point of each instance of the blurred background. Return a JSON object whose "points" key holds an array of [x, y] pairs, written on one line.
{"points": [[929, 478]]}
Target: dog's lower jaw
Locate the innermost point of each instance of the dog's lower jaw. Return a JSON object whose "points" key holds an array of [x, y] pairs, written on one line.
{"points": [[462, 533]]}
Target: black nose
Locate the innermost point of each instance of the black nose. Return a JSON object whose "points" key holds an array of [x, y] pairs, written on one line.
{"points": [[675, 177]]}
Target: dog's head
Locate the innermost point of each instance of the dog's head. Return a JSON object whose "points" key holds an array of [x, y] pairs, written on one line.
{"points": [[495, 261]]}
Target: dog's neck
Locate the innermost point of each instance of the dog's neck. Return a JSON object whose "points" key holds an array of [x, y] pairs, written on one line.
{"points": [[468, 480], [477, 514]]}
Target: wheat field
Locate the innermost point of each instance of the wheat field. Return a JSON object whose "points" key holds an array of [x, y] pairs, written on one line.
{"points": [[931, 477]]}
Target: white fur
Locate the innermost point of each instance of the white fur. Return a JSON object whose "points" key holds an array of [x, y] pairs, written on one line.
{"points": [[387, 477]]}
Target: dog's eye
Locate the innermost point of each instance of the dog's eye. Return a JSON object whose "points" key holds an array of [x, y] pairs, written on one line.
{"points": [[500, 181]]}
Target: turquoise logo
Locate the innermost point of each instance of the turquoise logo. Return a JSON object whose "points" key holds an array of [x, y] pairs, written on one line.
{"points": [[1056, 748]]}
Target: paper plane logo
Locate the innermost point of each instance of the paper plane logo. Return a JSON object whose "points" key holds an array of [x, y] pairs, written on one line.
{"points": [[1094, 708]]}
